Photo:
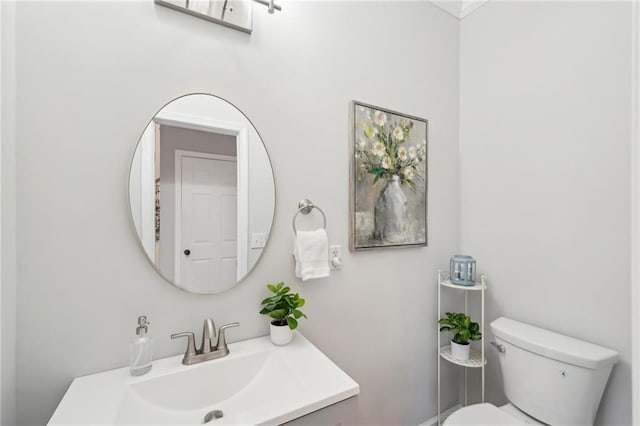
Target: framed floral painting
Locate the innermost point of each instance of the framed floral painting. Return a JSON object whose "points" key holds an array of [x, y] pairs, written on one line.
{"points": [[388, 191]]}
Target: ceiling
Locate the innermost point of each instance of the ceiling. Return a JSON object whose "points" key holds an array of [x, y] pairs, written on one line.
{"points": [[459, 8]]}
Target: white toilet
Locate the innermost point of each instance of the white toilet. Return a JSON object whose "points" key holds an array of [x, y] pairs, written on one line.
{"points": [[548, 378]]}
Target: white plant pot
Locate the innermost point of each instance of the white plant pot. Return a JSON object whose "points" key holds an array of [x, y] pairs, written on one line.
{"points": [[460, 352], [281, 334]]}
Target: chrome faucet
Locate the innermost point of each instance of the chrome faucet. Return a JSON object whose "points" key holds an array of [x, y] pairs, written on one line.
{"points": [[207, 351]]}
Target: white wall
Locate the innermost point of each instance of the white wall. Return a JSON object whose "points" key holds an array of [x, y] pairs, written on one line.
{"points": [[261, 198], [85, 91], [544, 159], [8, 218]]}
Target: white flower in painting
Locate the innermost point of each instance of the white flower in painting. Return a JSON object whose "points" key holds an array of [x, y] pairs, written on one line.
{"points": [[412, 152], [366, 112], [362, 144], [386, 162], [378, 149], [398, 133], [402, 153], [408, 173], [380, 118]]}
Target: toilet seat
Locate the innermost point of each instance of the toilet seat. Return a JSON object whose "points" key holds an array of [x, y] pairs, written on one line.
{"points": [[484, 414]]}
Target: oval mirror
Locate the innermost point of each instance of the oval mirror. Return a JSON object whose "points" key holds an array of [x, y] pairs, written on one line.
{"points": [[201, 193]]}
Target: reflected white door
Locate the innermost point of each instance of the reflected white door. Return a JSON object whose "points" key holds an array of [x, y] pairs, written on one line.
{"points": [[208, 249]]}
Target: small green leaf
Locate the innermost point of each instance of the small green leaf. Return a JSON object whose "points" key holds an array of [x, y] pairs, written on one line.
{"points": [[265, 301], [276, 298], [292, 323], [271, 287], [278, 314]]}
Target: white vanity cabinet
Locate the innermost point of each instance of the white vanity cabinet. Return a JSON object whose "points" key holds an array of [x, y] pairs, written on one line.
{"points": [[341, 413]]}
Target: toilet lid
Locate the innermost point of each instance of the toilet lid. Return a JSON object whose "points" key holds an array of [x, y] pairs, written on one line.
{"points": [[481, 415]]}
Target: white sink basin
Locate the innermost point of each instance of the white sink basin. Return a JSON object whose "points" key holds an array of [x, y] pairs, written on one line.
{"points": [[257, 383]]}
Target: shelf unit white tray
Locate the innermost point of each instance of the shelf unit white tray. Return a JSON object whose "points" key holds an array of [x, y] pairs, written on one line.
{"points": [[477, 287], [474, 361]]}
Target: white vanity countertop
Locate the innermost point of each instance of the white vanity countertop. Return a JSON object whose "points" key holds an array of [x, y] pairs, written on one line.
{"points": [[257, 383]]}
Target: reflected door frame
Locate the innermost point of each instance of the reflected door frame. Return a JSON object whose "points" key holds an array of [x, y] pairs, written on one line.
{"points": [[241, 133]]}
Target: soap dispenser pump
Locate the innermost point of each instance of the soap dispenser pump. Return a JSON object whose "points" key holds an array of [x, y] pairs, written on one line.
{"points": [[141, 349]]}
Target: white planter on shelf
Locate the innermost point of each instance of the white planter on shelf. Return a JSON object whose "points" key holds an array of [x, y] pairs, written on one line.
{"points": [[280, 334], [460, 352]]}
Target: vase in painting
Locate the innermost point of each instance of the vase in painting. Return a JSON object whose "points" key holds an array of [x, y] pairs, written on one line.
{"points": [[390, 213]]}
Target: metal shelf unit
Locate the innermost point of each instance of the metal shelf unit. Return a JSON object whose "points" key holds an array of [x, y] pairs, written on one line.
{"points": [[477, 358]]}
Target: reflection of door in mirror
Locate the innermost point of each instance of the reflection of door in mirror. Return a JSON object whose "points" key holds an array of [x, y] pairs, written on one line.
{"points": [[195, 231], [206, 195], [202, 198]]}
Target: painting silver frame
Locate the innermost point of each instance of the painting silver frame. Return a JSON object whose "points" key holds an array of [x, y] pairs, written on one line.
{"points": [[362, 237]]}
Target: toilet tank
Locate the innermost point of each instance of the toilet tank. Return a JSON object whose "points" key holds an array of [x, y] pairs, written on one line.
{"points": [[554, 378]]}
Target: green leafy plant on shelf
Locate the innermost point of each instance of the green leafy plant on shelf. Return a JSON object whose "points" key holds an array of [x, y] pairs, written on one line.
{"points": [[461, 326], [283, 306]]}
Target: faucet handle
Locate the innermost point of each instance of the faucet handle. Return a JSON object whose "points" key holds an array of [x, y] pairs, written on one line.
{"points": [[222, 342], [191, 346]]}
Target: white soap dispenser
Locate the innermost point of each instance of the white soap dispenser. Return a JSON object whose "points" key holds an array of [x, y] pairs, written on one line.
{"points": [[141, 349]]}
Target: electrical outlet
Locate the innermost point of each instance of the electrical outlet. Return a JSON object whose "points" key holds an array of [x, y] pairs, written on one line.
{"points": [[258, 240], [335, 257]]}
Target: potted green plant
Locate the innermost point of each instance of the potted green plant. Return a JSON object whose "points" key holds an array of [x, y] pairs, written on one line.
{"points": [[463, 330], [283, 309]]}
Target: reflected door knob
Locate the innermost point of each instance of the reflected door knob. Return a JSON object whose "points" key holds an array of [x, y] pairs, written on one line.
{"points": [[187, 252]]}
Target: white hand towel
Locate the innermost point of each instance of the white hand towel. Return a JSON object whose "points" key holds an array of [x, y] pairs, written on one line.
{"points": [[311, 253]]}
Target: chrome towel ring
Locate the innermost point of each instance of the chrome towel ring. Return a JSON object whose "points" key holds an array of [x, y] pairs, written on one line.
{"points": [[305, 206]]}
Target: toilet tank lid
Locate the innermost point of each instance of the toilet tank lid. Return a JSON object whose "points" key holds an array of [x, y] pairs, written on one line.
{"points": [[553, 345]]}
